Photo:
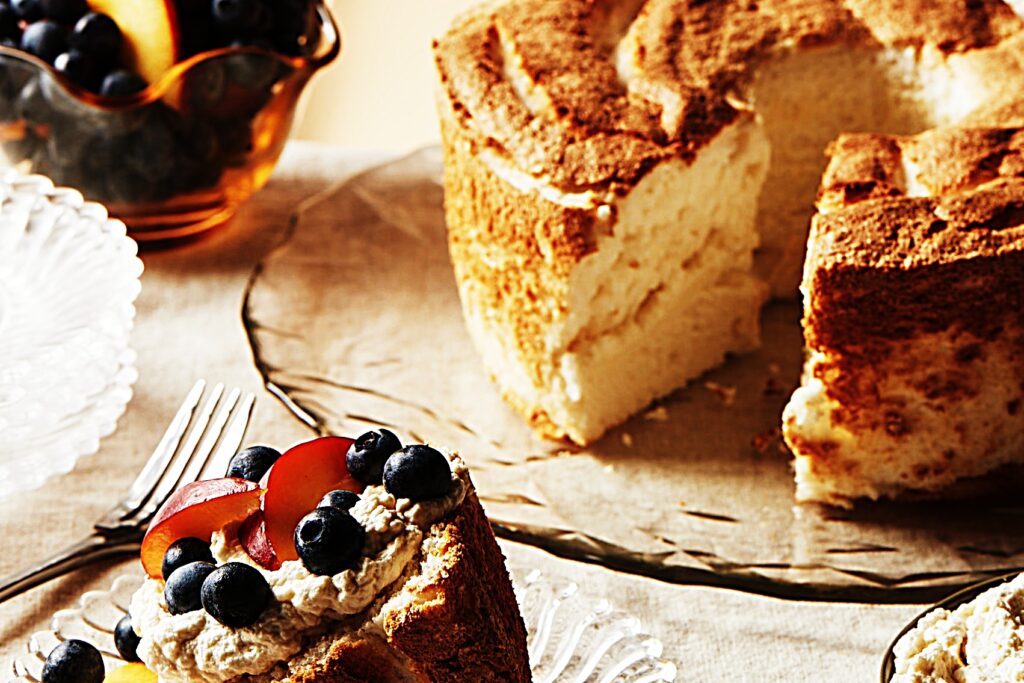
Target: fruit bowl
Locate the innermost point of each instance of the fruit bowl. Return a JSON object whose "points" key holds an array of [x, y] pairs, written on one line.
{"points": [[175, 159]]}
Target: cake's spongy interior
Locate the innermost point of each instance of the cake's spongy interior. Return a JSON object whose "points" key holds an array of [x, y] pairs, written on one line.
{"points": [[903, 423], [807, 97], [668, 292]]}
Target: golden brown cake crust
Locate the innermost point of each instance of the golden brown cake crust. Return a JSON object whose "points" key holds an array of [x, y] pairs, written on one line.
{"points": [[466, 628], [913, 315], [471, 631], [884, 268], [952, 256], [595, 131]]}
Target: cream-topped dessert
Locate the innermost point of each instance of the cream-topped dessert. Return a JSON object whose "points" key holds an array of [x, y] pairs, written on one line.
{"points": [[195, 647], [978, 642], [381, 533]]}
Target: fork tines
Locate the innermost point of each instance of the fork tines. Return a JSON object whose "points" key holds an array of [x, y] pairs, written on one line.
{"points": [[198, 444]]}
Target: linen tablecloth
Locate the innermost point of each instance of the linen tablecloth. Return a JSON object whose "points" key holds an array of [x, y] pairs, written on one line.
{"points": [[189, 326]]}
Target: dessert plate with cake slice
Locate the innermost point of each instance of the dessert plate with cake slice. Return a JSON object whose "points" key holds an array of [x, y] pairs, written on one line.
{"points": [[356, 320], [337, 560]]}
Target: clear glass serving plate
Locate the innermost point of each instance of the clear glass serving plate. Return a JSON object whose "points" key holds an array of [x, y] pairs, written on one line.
{"points": [[69, 277], [572, 636], [355, 322]]}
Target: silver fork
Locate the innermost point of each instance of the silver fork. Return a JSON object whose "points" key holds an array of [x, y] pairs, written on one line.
{"points": [[177, 460]]}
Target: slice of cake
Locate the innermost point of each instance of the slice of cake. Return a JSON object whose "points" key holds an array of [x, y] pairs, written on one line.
{"points": [[626, 182], [349, 561], [913, 316]]}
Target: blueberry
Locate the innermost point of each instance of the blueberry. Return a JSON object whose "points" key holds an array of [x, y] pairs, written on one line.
{"points": [[343, 500], [418, 473], [126, 639], [9, 28], [121, 83], [205, 85], [237, 16], [329, 540], [44, 39], [185, 551], [366, 457], [184, 587], [28, 10], [149, 150], [252, 463], [292, 26], [79, 68], [236, 594], [64, 11], [73, 661], [97, 35]]}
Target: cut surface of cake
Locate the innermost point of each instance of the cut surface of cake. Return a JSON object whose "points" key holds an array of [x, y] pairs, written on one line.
{"points": [[913, 316], [628, 182], [390, 572]]}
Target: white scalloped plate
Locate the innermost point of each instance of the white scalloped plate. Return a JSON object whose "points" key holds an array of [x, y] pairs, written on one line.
{"points": [[571, 636], [69, 276]]}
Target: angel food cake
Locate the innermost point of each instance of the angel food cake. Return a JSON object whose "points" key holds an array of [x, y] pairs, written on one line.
{"points": [[628, 182], [980, 641], [348, 561], [913, 316]]}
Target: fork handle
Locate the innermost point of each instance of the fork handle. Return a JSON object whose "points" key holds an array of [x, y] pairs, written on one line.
{"points": [[90, 549]]}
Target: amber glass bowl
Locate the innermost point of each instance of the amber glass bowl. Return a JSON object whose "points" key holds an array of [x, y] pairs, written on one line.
{"points": [[178, 158]]}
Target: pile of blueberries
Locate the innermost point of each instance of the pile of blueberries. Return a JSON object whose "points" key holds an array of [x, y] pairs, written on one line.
{"points": [[85, 46], [146, 154], [328, 540], [82, 46]]}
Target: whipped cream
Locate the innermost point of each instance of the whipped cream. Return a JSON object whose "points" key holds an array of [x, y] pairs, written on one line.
{"points": [[981, 641], [197, 648]]}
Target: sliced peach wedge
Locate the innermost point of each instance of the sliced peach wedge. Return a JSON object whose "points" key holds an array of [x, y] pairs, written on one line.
{"points": [[130, 673], [197, 509], [152, 36], [297, 482], [252, 535]]}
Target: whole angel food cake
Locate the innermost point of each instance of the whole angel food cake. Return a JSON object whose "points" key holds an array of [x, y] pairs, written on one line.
{"points": [[913, 316], [346, 560], [627, 182], [982, 640]]}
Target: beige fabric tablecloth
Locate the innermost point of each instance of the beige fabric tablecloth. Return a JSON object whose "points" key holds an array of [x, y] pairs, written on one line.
{"points": [[189, 326]]}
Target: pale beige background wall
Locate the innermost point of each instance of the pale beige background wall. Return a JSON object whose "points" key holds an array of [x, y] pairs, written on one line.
{"points": [[380, 91]]}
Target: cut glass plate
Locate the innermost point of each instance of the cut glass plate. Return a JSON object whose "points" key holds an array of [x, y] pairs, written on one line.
{"points": [[572, 637], [69, 277], [355, 323]]}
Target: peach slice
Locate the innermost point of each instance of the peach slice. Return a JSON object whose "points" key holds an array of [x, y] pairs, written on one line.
{"points": [[152, 36], [197, 509], [297, 482], [131, 673], [252, 535]]}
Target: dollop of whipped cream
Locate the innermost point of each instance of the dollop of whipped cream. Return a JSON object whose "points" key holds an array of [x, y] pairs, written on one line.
{"points": [[195, 647], [980, 642]]}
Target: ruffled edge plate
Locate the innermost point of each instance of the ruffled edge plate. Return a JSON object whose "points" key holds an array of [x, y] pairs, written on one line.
{"points": [[69, 278], [572, 636]]}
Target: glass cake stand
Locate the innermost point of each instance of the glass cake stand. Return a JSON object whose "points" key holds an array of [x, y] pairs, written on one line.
{"points": [[355, 323]]}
